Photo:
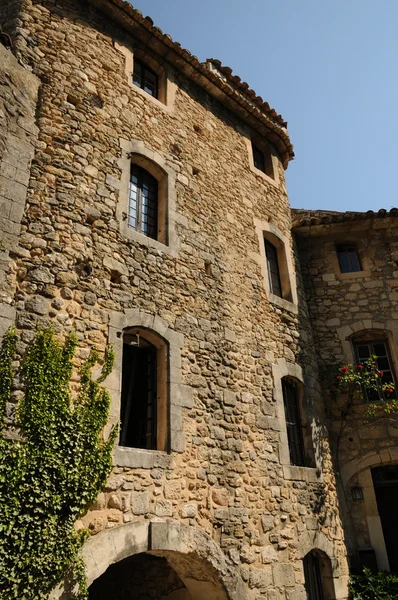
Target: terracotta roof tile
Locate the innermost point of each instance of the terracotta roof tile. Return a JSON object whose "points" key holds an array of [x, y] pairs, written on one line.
{"points": [[232, 85], [305, 218]]}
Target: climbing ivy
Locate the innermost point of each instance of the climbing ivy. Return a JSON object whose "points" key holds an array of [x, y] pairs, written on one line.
{"points": [[52, 471]]}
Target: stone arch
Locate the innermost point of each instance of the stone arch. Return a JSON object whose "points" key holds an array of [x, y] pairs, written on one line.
{"points": [[318, 542], [346, 333], [194, 556]]}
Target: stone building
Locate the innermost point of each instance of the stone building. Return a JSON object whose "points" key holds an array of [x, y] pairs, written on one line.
{"points": [[349, 266], [143, 202]]}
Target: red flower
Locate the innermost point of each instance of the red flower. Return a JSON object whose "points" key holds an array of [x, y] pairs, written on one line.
{"points": [[339, 377], [344, 369], [381, 374], [360, 367], [389, 391]]}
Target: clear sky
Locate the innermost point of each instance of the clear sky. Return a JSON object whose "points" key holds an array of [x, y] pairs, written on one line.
{"points": [[328, 66]]}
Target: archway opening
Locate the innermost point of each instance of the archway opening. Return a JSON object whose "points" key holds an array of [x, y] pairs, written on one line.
{"points": [[318, 576], [142, 576], [385, 482]]}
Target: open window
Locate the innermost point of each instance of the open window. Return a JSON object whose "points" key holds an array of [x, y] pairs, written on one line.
{"points": [[299, 437], [144, 390], [145, 78], [365, 345]]}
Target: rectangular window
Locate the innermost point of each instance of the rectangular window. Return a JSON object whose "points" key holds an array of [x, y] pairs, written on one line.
{"points": [[138, 402], [262, 160], [274, 278], [379, 348], [145, 78], [293, 423], [348, 258]]}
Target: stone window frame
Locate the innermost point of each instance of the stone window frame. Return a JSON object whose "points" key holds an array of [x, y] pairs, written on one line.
{"points": [[265, 147], [270, 232], [136, 152], [179, 396], [282, 369], [361, 246], [166, 85]]}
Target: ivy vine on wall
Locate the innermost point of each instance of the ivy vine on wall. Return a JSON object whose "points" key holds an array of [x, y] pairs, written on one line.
{"points": [[54, 471]]}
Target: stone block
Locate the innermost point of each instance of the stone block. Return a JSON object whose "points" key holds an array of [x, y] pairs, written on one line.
{"points": [[283, 575], [140, 503]]}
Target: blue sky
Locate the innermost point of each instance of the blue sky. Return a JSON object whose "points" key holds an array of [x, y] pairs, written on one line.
{"points": [[328, 66]]}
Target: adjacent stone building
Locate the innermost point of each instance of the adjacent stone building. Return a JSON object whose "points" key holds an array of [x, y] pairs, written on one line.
{"points": [[349, 266], [143, 202]]}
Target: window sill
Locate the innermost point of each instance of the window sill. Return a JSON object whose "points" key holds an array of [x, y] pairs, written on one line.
{"points": [[137, 458], [264, 176], [308, 474], [282, 303], [353, 275], [149, 242]]}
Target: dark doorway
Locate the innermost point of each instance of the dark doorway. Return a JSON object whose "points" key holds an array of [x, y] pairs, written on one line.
{"points": [[312, 577], [139, 577], [385, 481]]}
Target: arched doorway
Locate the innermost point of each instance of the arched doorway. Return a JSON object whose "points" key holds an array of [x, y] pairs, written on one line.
{"points": [[166, 560], [385, 482], [142, 576]]}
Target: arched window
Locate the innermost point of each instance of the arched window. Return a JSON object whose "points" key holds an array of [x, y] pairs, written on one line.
{"points": [[144, 391], [297, 425], [318, 576], [143, 202]]}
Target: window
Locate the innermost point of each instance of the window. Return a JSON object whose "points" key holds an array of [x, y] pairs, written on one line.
{"points": [[363, 351], [145, 78], [312, 577], [293, 422], [143, 399], [274, 278], [143, 202], [348, 258], [262, 160]]}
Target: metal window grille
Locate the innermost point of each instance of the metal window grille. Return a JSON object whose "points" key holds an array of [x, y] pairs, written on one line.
{"points": [[273, 269], [293, 423], [145, 78], [379, 348], [348, 258], [143, 202], [139, 396], [312, 577]]}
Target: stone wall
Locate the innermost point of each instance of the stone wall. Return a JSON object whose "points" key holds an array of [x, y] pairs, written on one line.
{"points": [[18, 135], [343, 306], [78, 267]]}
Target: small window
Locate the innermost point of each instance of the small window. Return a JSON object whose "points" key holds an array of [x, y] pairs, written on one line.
{"points": [[312, 577], [262, 160], [274, 278], [348, 258], [293, 422], [143, 202], [143, 399], [145, 78], [363, 351]]}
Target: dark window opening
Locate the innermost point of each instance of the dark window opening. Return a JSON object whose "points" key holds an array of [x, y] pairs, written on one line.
{"points": [[348, 258], [145, 78], [293, 423], [312, 577], [379, 348], [274, 278], [262, 160], [143, 202], [139, 394]]}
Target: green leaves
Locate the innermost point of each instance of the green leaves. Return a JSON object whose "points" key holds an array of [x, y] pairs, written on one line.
{"points": [[373, 586], [48, 480]]}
